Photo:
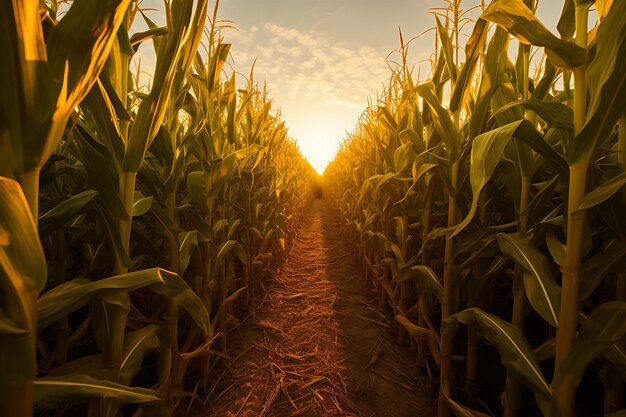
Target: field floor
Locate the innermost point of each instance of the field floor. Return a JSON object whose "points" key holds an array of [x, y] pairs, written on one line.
{"points": [[318, 344]]}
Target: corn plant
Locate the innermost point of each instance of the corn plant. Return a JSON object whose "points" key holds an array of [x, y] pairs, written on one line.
{"points": [[133, 257], [493, 195]]}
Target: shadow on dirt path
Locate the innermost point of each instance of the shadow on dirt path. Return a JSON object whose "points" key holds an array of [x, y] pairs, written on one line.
{"points": [[318, 344]]}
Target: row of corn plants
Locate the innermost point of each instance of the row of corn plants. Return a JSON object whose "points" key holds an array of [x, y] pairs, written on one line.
{"points": [[486, 205], [134, 221]]}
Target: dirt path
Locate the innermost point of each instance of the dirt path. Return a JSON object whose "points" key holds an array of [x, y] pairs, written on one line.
{"points": [[319, 345]]}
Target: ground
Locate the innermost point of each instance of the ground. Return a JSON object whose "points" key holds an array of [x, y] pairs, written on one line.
{"points": [[318, 344]]}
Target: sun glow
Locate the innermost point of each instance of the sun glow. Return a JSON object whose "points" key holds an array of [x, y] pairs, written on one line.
{"points": [[319, 144]]}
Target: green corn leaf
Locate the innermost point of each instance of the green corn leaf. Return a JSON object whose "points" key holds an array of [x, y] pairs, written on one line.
{"points": [[152, 109], [473, 49], [567, 21], [460, 410], [515, 352], [604, 327], [78, 47], [98, 105], [611, 258], [542, 290], [64, 212], [139, 37], [22, 260], [402, 157], [504, 95], [529, 135], [217, 64], [22, 277], [232, 246], [68, 297], [606, 80], [249, 151], [231, 127], [112, 233], [26, 99], [546, 350], [520, 21], [443, 122], [603, 192], [232, 230], [52, 391], [137, 345], [448, 49], [556, 248], [187, 243], [196, 186], [487, 151], [97, 159], [491, 78], [545, 83], [552, 112], [387, 119], [142, 205], [422, 275]]}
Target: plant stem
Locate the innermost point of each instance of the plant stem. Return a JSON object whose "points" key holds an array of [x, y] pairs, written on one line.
{"points": [[513, 388], [566, 334], [29, 181], [171, 315], [447, 302], [426, 216], [117, 313]]}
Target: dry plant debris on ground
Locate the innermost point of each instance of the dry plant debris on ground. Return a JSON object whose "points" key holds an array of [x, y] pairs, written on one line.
{"points": [[319, 345]]}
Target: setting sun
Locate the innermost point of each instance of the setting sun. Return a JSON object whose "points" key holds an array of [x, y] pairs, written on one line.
{"points": [[319, 144]]}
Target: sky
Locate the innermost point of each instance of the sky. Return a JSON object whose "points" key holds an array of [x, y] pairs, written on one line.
{"points": [[323, 59]]}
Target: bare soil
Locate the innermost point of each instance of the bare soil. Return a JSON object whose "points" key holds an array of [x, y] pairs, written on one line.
{"points": [[318, 344]]}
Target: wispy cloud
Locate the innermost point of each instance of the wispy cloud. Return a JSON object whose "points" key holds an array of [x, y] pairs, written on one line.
{"points": [[309, 64]]}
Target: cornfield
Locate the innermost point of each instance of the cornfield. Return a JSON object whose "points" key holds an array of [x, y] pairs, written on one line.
{"points": [[131, 223], [486, 205]]}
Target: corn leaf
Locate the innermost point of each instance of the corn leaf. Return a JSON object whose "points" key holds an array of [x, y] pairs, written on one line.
{"points": [[137, 345], [487, 151], [611, 258], [51, 391], [26, 98], [604, 327], [606, 79], [491, 77], [447, 49], [443, 122], [603, 192], [520, 21], [74, 294], [64, 212], [142, 205], [552, 112], [515, 352], [78, 47], [542, 290], [22, 277], [473, 49], [152, 109], [462, 411]]}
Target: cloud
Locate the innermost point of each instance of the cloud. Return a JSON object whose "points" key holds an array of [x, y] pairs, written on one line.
{"points": [[309, 65]]}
